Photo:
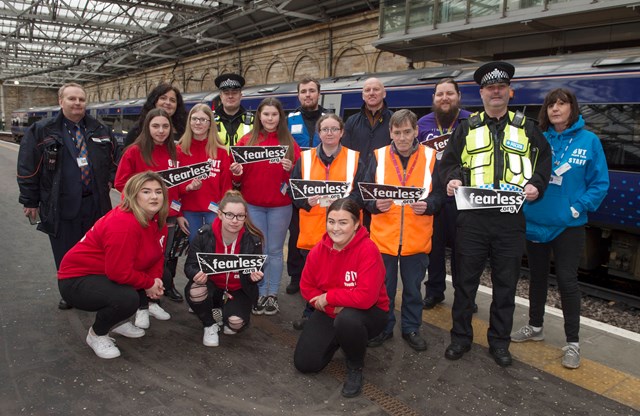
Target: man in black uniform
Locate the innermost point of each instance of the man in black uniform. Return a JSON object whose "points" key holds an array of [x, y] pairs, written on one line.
{"points": [[232, 119], [494, 149], [66, 169]]}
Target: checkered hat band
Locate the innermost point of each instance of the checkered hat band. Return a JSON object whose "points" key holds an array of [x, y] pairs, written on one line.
{"points": [[230, 83], [497, 75]]}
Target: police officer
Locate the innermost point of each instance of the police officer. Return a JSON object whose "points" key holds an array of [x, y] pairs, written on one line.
{"points": [[232, 119], [66, 169], [495, 149]]}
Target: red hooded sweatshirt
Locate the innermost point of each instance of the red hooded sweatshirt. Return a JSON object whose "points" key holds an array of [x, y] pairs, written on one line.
{"points": [[353, 277]]}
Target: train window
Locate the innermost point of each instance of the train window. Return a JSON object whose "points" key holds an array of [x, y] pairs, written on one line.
{"points": [[128, 122], [33, 119]]}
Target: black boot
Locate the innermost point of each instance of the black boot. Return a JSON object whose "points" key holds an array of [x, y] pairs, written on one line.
{"points": [[353, 384], [293, 286]]}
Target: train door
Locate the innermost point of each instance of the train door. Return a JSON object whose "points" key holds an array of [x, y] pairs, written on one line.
{"points": [[332, 102]]}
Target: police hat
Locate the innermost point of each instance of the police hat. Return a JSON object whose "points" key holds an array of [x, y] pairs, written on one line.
{"points": [[494, 73], [229, 82]]}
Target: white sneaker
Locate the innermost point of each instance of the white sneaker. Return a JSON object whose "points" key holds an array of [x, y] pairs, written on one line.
{"points": [[157, 312], [210, 337], [128, 330], [229, 331], [142, 318], [104, 346]]}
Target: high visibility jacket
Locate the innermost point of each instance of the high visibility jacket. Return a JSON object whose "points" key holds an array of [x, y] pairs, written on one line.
{"points": [[231, 138], [400, 230], [479, 155], [343, 168]]}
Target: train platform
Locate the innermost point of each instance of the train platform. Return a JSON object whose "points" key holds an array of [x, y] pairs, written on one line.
{"points": [[47, 369]]}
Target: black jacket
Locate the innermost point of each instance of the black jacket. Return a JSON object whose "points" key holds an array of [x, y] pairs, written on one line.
{"points": [[360, 136], [205, 242], [48, 174]]}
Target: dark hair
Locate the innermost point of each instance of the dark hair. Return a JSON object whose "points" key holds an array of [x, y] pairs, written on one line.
{"points": [[447, 80], [307, 80], [233, 196], [399, 117], [328, 116], [345, 204], [284, 136], [179, 117], [145, 141], [563, 95]]}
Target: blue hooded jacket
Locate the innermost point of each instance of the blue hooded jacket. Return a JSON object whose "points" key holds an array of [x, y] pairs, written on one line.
{"points": [[583, 186]]}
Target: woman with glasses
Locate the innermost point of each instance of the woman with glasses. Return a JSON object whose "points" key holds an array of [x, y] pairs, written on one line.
{"points": [[329, 161], [200, 143], [264, 185], [232, 232]]}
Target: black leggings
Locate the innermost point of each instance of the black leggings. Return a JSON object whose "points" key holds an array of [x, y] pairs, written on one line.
{"points": [[323, 335], [239, 304], [112, 301]]}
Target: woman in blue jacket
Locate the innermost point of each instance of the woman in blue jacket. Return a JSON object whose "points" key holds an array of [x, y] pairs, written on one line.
{"points": [[579, 182]]}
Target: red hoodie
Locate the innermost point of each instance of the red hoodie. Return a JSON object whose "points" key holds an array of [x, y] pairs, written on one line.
{"points": [[262, 181], [132, 163], [120, 248], [353, 277], [214, 187]]}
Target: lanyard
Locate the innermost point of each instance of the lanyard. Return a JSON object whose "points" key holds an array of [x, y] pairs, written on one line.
{"points": [[395, 165], [557, 161], [450, 127]]}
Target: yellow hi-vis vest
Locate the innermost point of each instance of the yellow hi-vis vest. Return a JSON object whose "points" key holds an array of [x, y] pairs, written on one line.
{"points": [[479, 156], [400, 226], [245, 127], [342, 168]]}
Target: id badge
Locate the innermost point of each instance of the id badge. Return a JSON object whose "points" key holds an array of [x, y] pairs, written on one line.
{"points": [[175, 205], [213, 207], [555, 180], [296, 129], [562, 169], [325, 202], [283, 188], [82, 162]]}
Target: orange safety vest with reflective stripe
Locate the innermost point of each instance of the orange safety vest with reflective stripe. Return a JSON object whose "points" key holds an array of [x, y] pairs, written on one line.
{"points": [[400, 227], [343, 168]]}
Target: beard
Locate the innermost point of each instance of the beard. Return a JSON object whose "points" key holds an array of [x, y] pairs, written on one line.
{"points": [[446, 118]]}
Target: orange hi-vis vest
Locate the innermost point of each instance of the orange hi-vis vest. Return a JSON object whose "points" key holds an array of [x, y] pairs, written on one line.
{"points": [[400, 231], [343, 168]]}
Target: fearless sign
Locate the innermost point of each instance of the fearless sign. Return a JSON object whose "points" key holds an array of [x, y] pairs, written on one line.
{"points": [[303, 189], [212, 263], [252, 154], [480, 198], [405, 194], [176, 176], [438, 143]]}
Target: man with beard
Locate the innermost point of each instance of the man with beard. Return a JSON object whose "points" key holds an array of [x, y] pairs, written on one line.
{"points": [[302, 125], [232, 119], [434, 131]]}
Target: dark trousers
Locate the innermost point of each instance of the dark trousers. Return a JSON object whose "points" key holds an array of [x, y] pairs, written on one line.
{"points": [[71, 231], [295, 261], [112, 301], [499, 236], [323, 335], [170, 263], [444, 234], [567, 249], [239, 304], [412, 270]]}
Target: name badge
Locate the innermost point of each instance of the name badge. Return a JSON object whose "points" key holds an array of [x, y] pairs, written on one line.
{"points": [[555, 180], [82, 162], [562, 169], [175, 205], [283, 188], [296, 129], [213, 207]]}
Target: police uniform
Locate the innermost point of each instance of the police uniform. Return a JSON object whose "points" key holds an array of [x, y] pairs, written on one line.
{"points": [[232, 127], [506, 153]]}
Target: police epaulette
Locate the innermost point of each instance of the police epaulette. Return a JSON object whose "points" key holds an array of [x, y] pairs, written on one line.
{"points": [[475, 121], [518, 119]]}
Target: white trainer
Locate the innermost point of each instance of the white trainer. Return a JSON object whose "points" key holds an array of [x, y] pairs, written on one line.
{"points": [[210, 337], [103, 345], [128, 330], [142, 318], [229, 331], [157, 312]]}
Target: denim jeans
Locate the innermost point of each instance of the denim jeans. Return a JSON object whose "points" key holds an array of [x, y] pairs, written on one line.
{"points": [[198, 219], [274, 223]]}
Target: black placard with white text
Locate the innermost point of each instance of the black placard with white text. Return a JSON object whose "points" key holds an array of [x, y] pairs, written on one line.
{"points": [[303, 189], [252, 154], [213, 263], [480, 198], [176, 176], [406, 194]]}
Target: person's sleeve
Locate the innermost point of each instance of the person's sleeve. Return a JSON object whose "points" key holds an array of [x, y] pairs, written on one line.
{"points": [[596, 179], [126, 169], [191, 265], [225, 175], [30, 165], [355, 194], [450, 164], [121, 244], [435, 198], [370, 177], [309, 280], [542, 167]]}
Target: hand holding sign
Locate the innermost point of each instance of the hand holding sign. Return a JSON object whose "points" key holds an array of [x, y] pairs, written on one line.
{"points": [[531, 193], [194, 185]]}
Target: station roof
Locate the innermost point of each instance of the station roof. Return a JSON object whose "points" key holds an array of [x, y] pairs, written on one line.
{"points": [[49, 42]]}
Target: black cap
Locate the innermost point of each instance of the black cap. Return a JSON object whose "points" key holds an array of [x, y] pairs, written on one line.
{"points": [[494, 73], [229, 82]]}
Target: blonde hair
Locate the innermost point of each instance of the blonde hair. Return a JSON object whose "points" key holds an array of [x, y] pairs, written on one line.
{"points": [[213, 140], [130, 202]]}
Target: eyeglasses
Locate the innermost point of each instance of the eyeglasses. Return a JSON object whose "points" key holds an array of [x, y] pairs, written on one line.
{"points": [[330, 129], [230, 216], [200, 120]]}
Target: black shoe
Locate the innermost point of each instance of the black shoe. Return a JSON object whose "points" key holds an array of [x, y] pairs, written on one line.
{"points": [[293, 287], [299, 324], [475, 308], [415, 341], [353, 384], [173, 294], [64, 305], [456, 351], [430, 302], [379, 339], [501, 356]]}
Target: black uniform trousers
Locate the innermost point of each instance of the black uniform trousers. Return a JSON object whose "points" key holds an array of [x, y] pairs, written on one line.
{"points": [[444, 234], [501, 237], [295, 261]]}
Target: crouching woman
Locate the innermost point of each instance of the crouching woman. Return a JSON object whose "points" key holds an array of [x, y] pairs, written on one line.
{"points": [[119, 263], [231, 232], [344, 280]]}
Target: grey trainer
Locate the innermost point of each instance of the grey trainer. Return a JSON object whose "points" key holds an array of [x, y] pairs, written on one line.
{"points": [[527, 333], [571, 358]]}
